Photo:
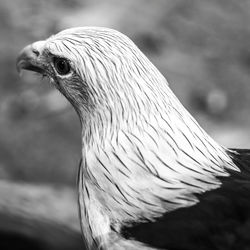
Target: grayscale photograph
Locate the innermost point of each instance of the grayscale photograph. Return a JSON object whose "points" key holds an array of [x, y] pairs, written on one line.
{"points": [[125, 125]]}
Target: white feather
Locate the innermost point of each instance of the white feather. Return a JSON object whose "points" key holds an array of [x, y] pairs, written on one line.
{"points": [[143, 153]]}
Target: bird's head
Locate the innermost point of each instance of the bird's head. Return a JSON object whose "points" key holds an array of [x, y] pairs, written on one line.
{"points": [[99, 70]]}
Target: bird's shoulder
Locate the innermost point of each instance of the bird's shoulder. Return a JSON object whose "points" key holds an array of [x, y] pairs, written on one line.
{"points": [[220, 220]]}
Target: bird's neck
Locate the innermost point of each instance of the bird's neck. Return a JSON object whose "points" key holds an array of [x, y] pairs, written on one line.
{"points": [[137, 170], [163, 126]]}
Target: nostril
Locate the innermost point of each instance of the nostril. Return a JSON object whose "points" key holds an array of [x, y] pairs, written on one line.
{"points": [[37, 47], [36, 52]]}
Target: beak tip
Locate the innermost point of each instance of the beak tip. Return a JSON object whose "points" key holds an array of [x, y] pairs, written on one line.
{"points": [[22, 59], [19, 67]]}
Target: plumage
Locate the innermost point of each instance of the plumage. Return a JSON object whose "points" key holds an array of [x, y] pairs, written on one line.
{"points": [[150, 177]]}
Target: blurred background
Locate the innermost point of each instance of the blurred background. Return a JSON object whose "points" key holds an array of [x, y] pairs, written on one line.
{"points": [[202, 47]]}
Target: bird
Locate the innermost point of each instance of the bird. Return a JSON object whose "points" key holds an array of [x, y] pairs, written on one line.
{"points": [[149, 177]]}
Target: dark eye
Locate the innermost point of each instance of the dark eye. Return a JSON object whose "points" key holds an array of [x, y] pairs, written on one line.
{"points": [[62, 66]]}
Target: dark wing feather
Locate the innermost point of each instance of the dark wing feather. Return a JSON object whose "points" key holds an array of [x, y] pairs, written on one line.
{"points": [[220, 221]]}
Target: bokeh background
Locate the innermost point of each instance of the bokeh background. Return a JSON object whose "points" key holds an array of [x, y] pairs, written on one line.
{"points": [[203, 49]]}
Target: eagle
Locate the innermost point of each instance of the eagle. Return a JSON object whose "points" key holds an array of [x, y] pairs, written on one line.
{"points": [[150, 177]]}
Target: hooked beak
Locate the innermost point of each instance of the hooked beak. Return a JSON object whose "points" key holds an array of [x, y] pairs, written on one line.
{"points": [[29, 58]]}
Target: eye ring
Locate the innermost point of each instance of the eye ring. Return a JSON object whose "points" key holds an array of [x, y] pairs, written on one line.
{"points": [[61, 65]]}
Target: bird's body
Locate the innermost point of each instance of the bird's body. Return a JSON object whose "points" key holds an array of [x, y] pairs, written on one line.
{"points": [[150, 177]]}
